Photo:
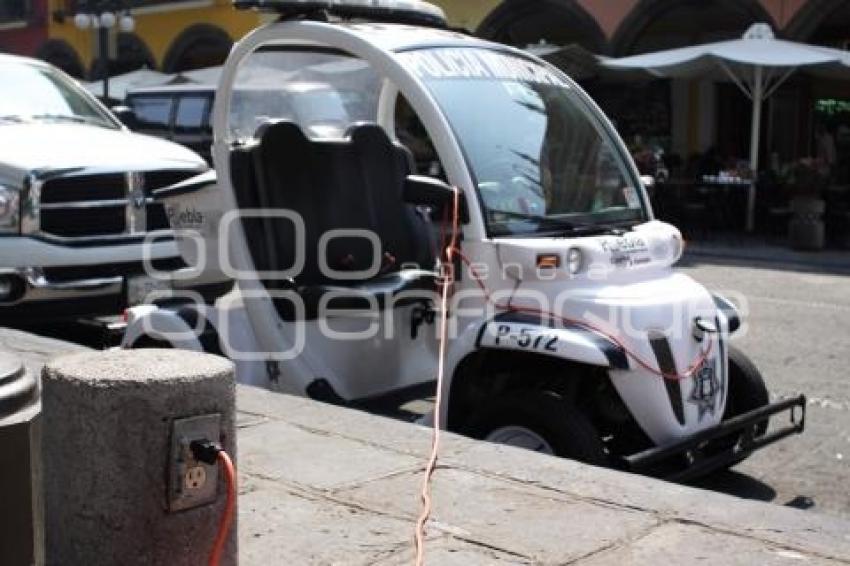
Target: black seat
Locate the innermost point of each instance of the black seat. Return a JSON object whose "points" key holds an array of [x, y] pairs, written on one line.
{"points": [[351, 184], [385, 165], [268, 179]]}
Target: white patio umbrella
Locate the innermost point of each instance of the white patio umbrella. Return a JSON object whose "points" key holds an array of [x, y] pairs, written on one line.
{"points": [[758, 63], [573, 59], [207, 76]]}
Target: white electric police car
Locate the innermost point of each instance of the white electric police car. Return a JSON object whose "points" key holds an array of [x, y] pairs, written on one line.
{"points": [[568, 330]]}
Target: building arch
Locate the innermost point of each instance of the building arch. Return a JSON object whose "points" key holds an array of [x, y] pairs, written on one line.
{"points": [[133, 53], [201, 45], [663, 24], [59, 53], [558, 22], [820, 21]]}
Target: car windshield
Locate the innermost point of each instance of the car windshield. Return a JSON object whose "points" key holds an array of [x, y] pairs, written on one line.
{"points": [[543, 161], [37, 93]]}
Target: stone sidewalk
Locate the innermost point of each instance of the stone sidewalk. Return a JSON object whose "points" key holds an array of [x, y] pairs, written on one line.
{"points": [[325, 485]]}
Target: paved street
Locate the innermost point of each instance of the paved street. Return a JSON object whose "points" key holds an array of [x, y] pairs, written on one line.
{"points": [[799, 336]]}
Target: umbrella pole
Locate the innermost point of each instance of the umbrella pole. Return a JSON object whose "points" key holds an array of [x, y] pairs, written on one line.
{"points": [[758, 98]]}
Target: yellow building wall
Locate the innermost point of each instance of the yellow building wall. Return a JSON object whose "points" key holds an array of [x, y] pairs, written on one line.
{"points": [[467, 13], [608, 13], [159, 26]]}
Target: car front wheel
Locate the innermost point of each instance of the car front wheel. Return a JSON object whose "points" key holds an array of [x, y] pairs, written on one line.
{"points": [[747, 392], [542, 422]]}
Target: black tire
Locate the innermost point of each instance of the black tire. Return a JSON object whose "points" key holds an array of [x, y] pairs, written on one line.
{"points": [[562, 425], [747, 390]]}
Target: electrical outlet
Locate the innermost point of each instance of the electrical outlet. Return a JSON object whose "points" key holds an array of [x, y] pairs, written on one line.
{"points": [[192, 483], [195, 478]]}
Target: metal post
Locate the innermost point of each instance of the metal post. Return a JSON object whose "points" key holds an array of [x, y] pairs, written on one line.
{"points": [[21, 530], [758, 98], [103, 47]]}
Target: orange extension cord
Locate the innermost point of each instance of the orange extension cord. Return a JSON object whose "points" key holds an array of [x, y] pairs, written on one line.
{"points": [[226, 465], [448, 282]]}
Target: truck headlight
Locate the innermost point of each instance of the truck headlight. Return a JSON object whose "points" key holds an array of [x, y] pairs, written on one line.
{"points": [[9, 209]]}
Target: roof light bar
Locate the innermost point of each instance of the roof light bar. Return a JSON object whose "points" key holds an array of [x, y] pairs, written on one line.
{"points": [[414, 12]]}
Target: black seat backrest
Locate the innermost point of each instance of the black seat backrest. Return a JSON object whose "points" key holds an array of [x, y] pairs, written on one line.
{"points": [[385, 166], [283, 164], [244, 180], [273, 175], [351, 184]]}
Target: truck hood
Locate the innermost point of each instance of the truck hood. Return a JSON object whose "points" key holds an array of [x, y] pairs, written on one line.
{"points": [[29, 147]]}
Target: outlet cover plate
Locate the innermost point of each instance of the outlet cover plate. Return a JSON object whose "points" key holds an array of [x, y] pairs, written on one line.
{"points": [[183, 432]]}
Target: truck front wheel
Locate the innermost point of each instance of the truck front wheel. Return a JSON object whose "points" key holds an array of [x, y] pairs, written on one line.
{"points": [[542, 422]]}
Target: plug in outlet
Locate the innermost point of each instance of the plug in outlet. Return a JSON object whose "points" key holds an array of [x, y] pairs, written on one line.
{"points": [[192, 483]]}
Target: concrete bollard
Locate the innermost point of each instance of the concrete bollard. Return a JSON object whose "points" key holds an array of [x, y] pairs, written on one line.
{"points": [[116, 486], [21, 533]]}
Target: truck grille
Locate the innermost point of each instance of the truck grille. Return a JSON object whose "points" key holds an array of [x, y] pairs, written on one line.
{"points": [[92, 206], [67, 273], [85, 188], [82, 222]]}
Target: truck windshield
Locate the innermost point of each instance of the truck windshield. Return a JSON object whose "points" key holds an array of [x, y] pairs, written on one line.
{"points": [[539, 153], [31, 93]]}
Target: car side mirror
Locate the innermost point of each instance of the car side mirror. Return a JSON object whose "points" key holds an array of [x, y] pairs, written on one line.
{"points": [[420, 190], [126, 115]]}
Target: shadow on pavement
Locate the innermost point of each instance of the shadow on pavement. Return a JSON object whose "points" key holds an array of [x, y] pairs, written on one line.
{"points": [[737, 484], [83, 333], [801, 502]]}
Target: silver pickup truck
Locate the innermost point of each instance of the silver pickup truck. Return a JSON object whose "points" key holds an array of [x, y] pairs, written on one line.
{"points": [[76, 202]]}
